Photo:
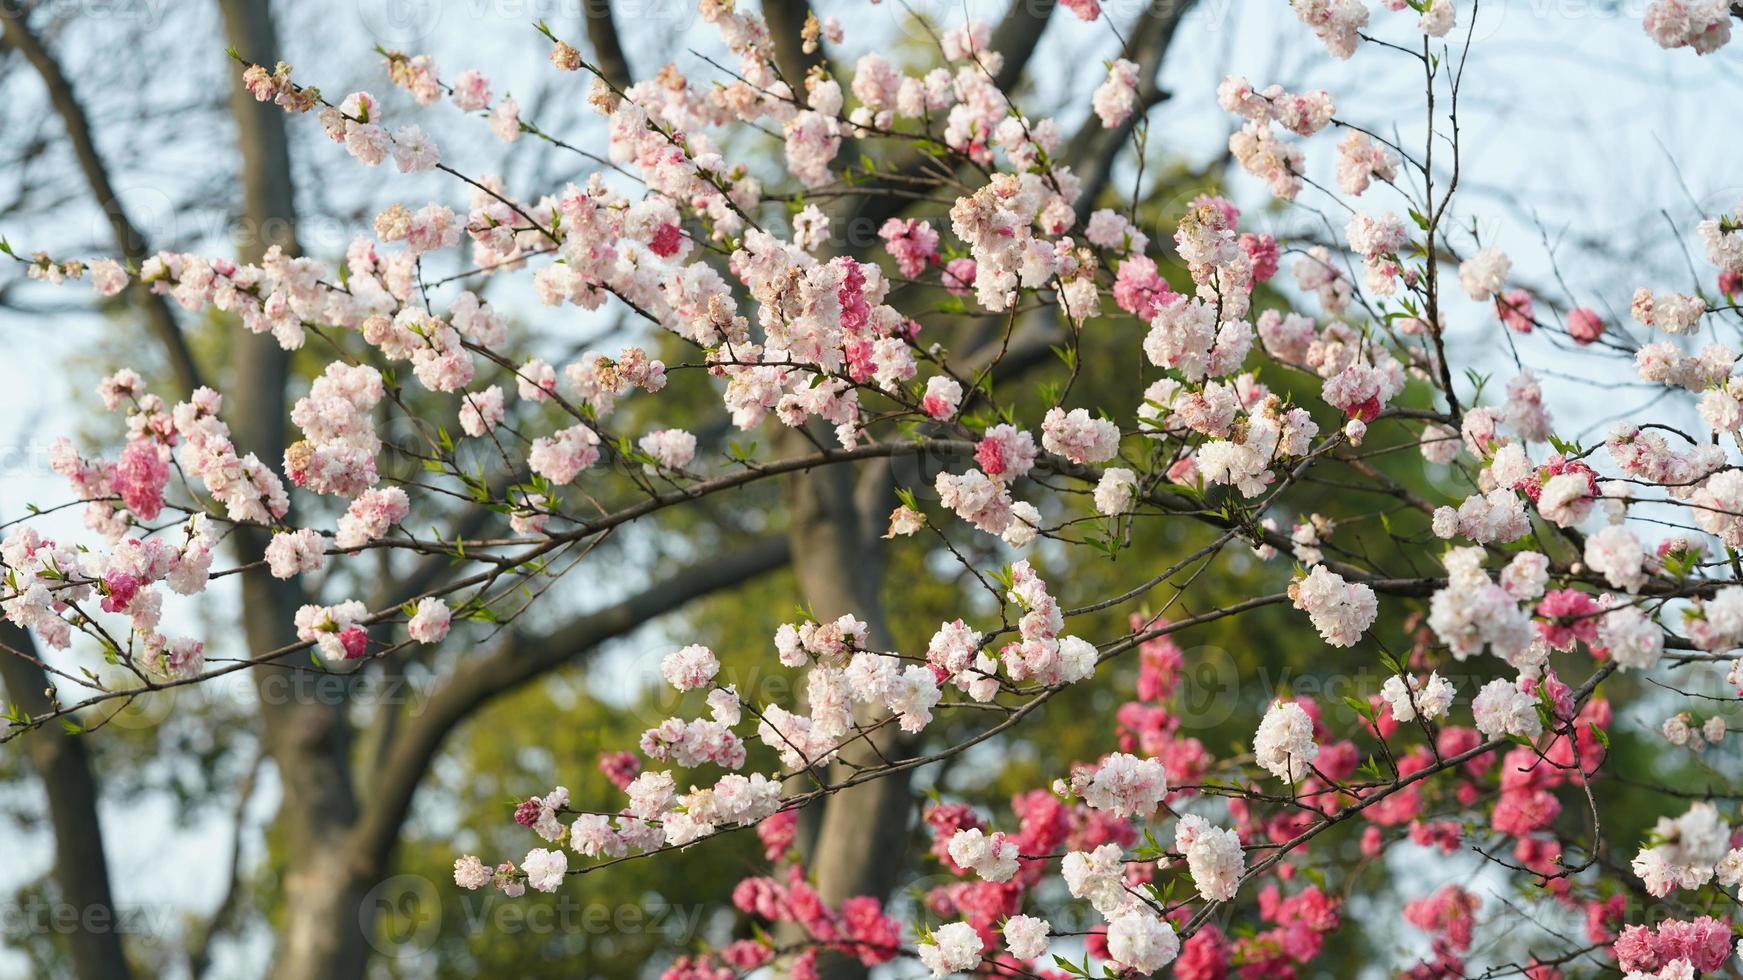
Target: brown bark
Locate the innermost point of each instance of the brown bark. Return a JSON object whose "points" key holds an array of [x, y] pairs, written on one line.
{"points": [[307, 738], [81, 870], [786, 20], [607, 43], [1095, 148]]}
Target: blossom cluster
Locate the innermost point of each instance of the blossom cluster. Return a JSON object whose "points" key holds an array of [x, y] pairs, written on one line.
{"points": [[1539, 551]]}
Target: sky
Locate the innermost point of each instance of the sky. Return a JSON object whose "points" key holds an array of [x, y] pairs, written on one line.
{"points": [[1588, 154]]}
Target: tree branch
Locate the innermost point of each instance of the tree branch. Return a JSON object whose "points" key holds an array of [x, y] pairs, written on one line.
{"points": [[518, 661], [128, 239], [608, 53], [1016, 38], [1093, 150], [786, 20]]}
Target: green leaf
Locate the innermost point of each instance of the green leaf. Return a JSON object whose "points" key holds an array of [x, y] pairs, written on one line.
{"points": [[1371, 769], [1070, 967], [1362, 708], [1477, 381]]}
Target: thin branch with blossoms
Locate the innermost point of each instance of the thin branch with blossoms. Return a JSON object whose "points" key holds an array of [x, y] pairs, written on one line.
{"points": [[1528, 557]]}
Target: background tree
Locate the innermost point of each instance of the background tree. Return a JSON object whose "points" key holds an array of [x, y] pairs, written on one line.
{"points": [[348, 767]]}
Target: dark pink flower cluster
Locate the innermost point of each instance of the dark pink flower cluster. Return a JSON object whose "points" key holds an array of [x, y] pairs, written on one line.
{"points": [[1704, 942]]}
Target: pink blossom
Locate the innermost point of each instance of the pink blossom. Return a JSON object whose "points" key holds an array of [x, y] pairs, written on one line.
{"points": [[140, 477], [1704, 25], [959, 276], [562, 456], [690, 668], [430, 620], [1115, 99], [371, 515], [912, 243], [1264, 253], [107, 277], [1515, 309], [481, 411], [295, 552], [505, 120], [471, 91], [1449, 912], [1139, 289], [1584, 325], [619, 767], [943, 394], [1005, 452], [1078, 436]]}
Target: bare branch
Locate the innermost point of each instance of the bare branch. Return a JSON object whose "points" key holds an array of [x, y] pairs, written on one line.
{"points": [[129, 241]]}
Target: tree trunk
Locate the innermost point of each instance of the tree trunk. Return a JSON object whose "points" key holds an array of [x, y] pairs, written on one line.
{"points": [[838, 557], [322, 935], [607, 43], [856, 845], [786, 20], [81, 870]]}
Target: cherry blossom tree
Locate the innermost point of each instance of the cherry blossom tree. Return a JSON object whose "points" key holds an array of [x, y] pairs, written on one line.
{"points": [[892, 319]]}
